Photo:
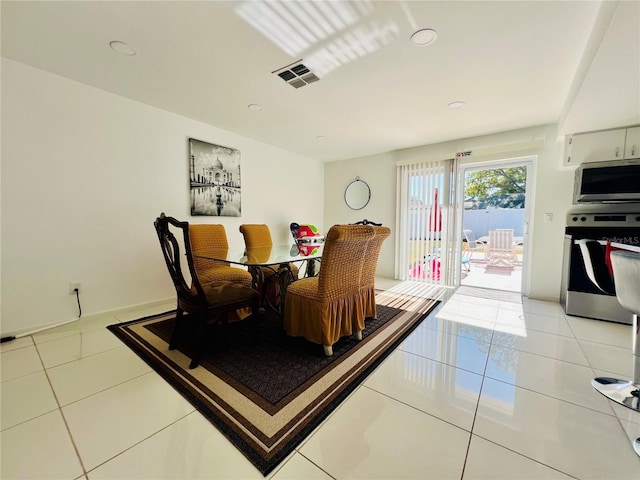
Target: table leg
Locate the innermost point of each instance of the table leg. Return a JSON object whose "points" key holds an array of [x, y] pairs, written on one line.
{"points": [[284, 275], [311, 268], [257, 283]]}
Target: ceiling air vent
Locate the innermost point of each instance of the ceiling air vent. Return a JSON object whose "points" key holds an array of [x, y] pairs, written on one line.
{"points": [[297, 75]]}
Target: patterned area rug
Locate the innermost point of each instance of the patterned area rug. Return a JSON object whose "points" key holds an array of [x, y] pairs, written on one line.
{"points": [[266, 391]]}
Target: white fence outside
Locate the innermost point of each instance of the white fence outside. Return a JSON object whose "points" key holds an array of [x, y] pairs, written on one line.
{"points": [[481, 221], [478, 221]]}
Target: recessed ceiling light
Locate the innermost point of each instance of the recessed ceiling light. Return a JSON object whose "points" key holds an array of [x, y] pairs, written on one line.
{"points": [[424, 37], [122, 48], [456, 105], [255, 107]]}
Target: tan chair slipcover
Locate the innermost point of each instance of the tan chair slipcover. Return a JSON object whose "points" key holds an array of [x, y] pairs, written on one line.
{"points": [[209, 236], [368, 283], [325, 308], [259, 235], [214, 237]]}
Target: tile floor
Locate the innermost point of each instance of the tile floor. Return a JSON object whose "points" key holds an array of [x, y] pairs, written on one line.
{"points": [[483, 388]]}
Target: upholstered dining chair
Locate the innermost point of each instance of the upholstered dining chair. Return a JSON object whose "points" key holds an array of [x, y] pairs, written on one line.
{"points": [[204, 302], [329, 306], [258, 236], [207, 236], [368, 282]]}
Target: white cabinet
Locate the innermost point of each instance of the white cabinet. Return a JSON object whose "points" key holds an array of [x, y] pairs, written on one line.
{"points": [[632, 145], [602, 146]]}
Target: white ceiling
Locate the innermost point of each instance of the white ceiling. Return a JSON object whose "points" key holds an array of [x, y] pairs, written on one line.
{"points": [[515, 64]]}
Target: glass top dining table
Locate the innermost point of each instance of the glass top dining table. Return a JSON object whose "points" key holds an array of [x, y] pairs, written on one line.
{"points": [[276, 257], [263, 256]]}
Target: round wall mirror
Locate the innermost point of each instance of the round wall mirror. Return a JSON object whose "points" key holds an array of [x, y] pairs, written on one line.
{"points": [[357, 194]]}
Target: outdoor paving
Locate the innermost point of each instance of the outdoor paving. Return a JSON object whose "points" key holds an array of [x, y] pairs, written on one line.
{"points": [[496, 277]]}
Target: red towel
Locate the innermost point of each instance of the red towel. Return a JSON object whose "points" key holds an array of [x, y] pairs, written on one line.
{"points": [[607, 255]]}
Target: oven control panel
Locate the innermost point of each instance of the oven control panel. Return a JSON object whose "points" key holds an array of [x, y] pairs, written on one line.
{"points": [[603, 220]]}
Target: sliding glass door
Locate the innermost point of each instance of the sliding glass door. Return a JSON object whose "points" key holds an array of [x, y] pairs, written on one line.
{"points": [[495, 205], [425, 218], [441, 203]]}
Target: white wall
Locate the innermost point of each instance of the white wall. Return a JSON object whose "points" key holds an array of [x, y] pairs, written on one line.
{"points": [[379, 172], [553, 194], [85, 173]]}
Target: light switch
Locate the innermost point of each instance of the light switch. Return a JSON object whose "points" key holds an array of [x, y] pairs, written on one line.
{"points": [[548, 217]]}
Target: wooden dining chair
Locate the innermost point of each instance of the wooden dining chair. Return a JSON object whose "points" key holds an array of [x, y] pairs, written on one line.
{"points": [[329, 306], [204, 302]]}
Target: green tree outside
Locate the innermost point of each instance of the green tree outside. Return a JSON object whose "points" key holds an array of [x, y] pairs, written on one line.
{"points": [[497, 187]]}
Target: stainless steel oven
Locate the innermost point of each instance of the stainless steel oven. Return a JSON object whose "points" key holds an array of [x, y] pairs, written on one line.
{"points": [[579, 296]]}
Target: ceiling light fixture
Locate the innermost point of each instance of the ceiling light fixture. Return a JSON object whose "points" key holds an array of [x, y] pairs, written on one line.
{"points": [[321, 137], [456, 105], [424, 37], [122, 48], [255, 107]]}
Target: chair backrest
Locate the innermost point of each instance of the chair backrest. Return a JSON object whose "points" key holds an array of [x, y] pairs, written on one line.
{"points": [[207, 236], [188, 296], [380, 234], [501, 239], [626, 275], [470, 238], [256, 235], [367, 222], [342, 260]]}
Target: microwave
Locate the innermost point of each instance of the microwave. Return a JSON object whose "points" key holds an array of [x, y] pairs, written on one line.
{"points": [[607, 182]]}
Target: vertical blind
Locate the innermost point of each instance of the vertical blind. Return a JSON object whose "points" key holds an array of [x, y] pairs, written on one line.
{"points": [[426, 218]]}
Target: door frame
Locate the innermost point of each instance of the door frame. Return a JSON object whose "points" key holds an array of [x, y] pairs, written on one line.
{"points": [[529, 162]]}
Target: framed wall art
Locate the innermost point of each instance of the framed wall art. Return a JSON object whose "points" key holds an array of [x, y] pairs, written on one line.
{"points": [[214, 179]]}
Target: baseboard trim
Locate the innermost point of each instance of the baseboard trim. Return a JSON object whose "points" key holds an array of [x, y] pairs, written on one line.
{"points": [[115, 311]]}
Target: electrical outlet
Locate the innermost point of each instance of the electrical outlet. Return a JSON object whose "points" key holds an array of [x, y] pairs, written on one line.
{"points": [[73, 286]]}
